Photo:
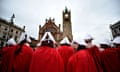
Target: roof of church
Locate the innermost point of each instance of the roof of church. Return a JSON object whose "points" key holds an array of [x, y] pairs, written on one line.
{"points": [[50, 22]]}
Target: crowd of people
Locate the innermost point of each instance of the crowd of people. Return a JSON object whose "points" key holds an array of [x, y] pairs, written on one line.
{"points": [[77, 56]]}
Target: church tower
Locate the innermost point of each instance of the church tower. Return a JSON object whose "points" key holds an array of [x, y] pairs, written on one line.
{"points": [[67, 28]]}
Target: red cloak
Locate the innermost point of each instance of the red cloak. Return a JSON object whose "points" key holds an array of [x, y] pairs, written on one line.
{"points": [[95, 53], [6, 58], [65, 52], [118, 51], [82, 61], [18, 63], [46, 59], [110, 60]]}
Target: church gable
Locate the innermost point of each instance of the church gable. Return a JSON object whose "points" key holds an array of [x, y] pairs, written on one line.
{"points": [[49, 26]]}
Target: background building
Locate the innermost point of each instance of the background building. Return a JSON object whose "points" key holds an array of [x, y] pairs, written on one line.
{"points": [[115, 29], [9, 30], [56, 31]]}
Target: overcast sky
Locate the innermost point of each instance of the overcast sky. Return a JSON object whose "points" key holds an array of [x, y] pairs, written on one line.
{"points": [[88, 16]]}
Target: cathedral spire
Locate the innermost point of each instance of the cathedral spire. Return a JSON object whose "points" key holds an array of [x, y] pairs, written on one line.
{"points": [[12, 17], [66, 9]]}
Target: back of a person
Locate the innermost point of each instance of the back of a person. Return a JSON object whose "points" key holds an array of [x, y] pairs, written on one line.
{"points": [[110, 60], [46, 59], [95, 53], [66, 52], [23, 59], [82, 61]]}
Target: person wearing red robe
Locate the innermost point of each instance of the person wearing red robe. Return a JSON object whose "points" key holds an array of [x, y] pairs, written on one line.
{"points": [[81, 61], [116, 43], [46, 58], [94, 52], [110, 58], [84, 60], [18, 58], [66, 51], [5, 52]]}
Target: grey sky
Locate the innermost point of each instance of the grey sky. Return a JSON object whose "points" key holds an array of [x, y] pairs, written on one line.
{"points": [[88, 16]]}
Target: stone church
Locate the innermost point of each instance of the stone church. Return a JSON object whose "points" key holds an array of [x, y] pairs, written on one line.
{"points": [[58, 34]]}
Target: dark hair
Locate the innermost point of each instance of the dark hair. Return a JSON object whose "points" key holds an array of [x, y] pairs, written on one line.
{"points": [[65, 44], [117, 45], [21, 46], [88, 41], [80, 47], [104, 46], [48, 43]]}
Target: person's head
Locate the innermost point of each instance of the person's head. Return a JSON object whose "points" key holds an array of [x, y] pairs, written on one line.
{"points": [[80, 47], [116, 42], [47, 40], [88, 38], [24, 38], [105, 44], [88, 41], [48, 43], [78, 44], [65, 42], [10, 42], [75, 45]]}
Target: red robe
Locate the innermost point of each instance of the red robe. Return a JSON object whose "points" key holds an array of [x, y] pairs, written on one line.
{"points": [[46, 59], [118, 51], [94, 51], [20, 62], [110, 60], [6, 59], [82, 61], [65, 52]]}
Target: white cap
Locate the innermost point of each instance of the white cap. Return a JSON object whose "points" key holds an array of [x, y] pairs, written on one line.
{"points": [[79, 41], [11, 42], [44, 38], [50, 37], [65, 40], [87, 37], [22, 37], [106, 41], [117, 40]]}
